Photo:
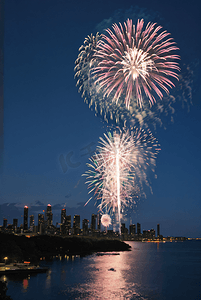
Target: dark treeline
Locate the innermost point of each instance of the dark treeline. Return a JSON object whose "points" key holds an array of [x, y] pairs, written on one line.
{"points": [[20, 248]]}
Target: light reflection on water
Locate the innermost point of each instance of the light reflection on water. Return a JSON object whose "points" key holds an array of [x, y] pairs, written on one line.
{"points": [[148, 272], [48, 281], [109, 277], [25, 285]]}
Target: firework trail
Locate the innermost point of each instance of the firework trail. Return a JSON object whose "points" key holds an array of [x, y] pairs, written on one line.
{"points": [[119, 168], [133, 63]]}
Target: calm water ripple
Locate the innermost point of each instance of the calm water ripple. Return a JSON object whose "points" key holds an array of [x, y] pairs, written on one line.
{"points": [[149, 272]]}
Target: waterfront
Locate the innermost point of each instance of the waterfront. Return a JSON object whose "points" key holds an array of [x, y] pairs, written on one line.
{"points": [[151, 271]]}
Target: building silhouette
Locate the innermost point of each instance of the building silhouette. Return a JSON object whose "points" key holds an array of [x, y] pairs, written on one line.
{"points": [[132, 229], [99, 222], [15, 223], [25, 227], [45, 226], [123, 228], [158, 230], [31, 226], [93, 222], [149, 234], [85, 226], [68, 224], [63, 216], [138, 228], [5, 221], [152, 234], [63, 227], [76, 224], [49, 215], [41, 223]]}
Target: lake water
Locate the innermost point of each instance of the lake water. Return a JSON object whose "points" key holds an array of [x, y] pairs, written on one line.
{"points": [[151, 271]]}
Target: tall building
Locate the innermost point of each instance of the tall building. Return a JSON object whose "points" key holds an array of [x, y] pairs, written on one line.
{"points": [[93, 222], [158, 230], [123, 228], [76, 224], [85, 226], [146, 234], [63, 216], [68, 221], [68, 224], [99, 222], [41, 223], [49, 215], [5, 221], [152, 233], [31, 222], [41, 219], [25, 227], [138, 228], [132, 229], [15, 222], [149, 234]]}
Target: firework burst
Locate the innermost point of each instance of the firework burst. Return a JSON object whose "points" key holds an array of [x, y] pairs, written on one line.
{"points": [[119, 168], [106, 220], [138, 72], [131, 63], [84, 63]]}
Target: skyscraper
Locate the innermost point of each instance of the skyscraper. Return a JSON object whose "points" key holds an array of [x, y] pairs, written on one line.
{"points": [[76, 224], [31, 222], [68, 224], [158, 230], [85, 226], [40, 219], [152, 234], [99, 222], [49, 215], [63, 216], [5, 223], [15, 222], [41, 223], [132, 229], [93, 222], [123, 227], [25, 227], [138, 228]]}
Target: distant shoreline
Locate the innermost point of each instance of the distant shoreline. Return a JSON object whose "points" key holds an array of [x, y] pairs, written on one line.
{"points": [[14, 248], [21, 248]]}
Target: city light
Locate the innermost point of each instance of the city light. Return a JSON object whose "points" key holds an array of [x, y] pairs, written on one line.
{"points": [[5, 258]]}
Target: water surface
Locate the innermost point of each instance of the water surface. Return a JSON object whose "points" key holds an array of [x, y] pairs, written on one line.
{"points": [[151, 271]]}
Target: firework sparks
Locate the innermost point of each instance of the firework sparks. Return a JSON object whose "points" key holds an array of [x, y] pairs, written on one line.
{"points": [[84, 63], [106, 220], [132, 63], [118, 169], [128, 66]]}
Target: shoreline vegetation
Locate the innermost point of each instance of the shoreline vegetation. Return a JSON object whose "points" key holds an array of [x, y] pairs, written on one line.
{"points": [[21, 248]]}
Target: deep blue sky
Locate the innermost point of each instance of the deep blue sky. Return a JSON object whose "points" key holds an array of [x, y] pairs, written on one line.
{"points": [[45, 117]]}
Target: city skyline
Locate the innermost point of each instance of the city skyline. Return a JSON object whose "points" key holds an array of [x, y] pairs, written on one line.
{"points": [[49, 132], [73, 225], [68, 226]]}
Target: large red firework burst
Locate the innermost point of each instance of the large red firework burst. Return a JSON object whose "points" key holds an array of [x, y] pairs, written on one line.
{"points": [[133, 64]]}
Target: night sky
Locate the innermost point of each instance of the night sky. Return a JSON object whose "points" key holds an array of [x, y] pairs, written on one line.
{"points": [[46, 120]]}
